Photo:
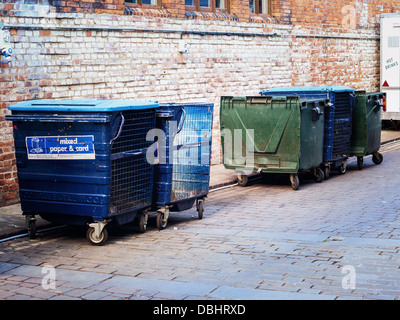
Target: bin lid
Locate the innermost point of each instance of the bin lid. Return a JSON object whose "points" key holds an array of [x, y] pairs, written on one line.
{"points": [[185, 104], [82, 105], [309, 89]]}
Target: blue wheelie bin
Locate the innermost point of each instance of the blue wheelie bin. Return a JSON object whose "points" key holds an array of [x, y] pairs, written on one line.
{"points": [[338, 120], [83, 162], [182, 176]]}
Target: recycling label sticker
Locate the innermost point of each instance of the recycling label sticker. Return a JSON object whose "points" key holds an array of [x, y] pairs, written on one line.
{"points": [[61, 147]]}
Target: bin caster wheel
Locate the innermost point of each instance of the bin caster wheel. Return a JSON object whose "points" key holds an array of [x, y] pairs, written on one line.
{"points": [[142, 218], [318, 175], [94, 239], [343, 168], [360, 161], [30, 221], [327, 172], [97, 234], [242, 180], [200, 208], [377, 158], [162, 219], [294, 180]]}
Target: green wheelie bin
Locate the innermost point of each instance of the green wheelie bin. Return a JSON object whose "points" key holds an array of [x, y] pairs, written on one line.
{"points": [[367, 124], [272, 135]]}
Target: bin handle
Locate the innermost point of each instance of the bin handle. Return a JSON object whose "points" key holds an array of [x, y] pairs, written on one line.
{"points": [[134, 152], [120, 128], [182, 121], [376, 107], [353, 101], [254, 100], [290, 99], [230, 103], [316, 113], [131, 153]]}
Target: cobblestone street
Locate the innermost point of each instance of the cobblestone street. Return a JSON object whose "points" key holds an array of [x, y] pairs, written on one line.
{"points": [[336, 240]]}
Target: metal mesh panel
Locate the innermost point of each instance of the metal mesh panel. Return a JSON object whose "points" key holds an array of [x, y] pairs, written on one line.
{"points": [[342, 127], [132, 175], [342, 105], [134, 131], [191, 169]]}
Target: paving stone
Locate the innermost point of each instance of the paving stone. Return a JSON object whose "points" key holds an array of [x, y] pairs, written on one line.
{"points": [[4, 266], [255, 294], [95, 295], [160, 285], [86, 278], [264, 241]]}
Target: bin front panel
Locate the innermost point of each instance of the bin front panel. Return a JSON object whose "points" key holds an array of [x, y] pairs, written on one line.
{"points": [[338, 117], [374, 123], [192, 154], [359, 131], [269, 129], [131, 174], [312, 133], [366, 135], [169, 117], [65, 185], [109, 175], [343, 102]]}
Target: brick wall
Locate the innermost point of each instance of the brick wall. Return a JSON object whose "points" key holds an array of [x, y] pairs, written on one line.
{"points": [[333, 13], [91, 49]]}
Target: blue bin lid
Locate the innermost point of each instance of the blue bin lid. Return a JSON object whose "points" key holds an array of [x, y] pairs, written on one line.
{"points": [[309, 89], [82, 105], [185, 104]]}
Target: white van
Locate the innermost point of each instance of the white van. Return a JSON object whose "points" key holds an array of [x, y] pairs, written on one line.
{"points": [[390, 65]]}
